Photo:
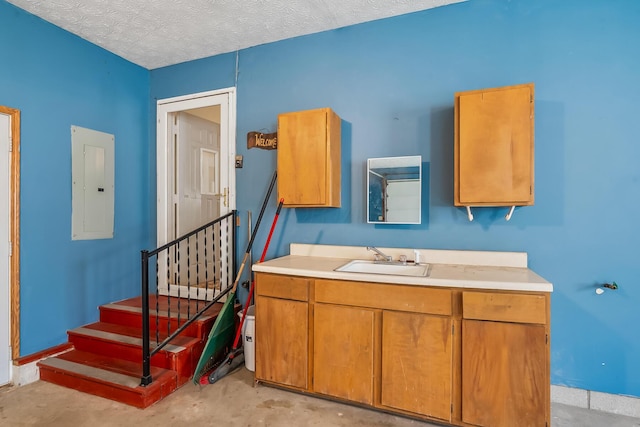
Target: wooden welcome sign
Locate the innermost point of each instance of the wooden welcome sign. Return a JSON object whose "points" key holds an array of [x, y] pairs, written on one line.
{"points": [[266, 141]]}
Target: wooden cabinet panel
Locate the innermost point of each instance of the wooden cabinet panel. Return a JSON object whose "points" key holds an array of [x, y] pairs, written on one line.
{"points": [[392, 297], [309, 158], [393, 347], [505, 380], [282, 341], [504, 307], [278, 286], [494, 151], [343, 359], [417, 363]]}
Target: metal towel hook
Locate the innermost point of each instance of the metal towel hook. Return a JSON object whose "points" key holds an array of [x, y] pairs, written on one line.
{"points": [[508, 216], [469, 214]]}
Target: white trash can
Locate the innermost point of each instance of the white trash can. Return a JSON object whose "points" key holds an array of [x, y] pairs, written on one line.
{"points": [[248, 333]]}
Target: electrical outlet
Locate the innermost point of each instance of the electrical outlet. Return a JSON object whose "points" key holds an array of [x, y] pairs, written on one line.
{"points": [[239, 161]]}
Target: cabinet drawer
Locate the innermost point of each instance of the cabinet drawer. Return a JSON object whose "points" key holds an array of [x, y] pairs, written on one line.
{"points": [[415, 299], [503, 307], [287, 287]]}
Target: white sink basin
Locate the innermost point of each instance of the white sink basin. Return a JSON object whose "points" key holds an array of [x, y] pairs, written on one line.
{"points": [[395, 269]]}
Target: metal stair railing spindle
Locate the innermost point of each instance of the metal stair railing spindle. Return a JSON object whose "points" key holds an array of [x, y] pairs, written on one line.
{"points": [[197, 275], [206, 263], [220, 258], [146, 358]]}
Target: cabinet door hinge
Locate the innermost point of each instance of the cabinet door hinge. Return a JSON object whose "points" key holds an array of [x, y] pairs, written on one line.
{"points": [[546, 338], [10, 143], [453, 327], [10, 249], [452, 408]]}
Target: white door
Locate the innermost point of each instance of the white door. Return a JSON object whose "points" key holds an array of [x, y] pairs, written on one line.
{"points": [[196, 180], [5, 168], [196, 195], [196, 168]]}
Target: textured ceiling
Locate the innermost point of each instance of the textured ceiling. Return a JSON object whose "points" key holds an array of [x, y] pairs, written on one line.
{"points": [[157, 33]]}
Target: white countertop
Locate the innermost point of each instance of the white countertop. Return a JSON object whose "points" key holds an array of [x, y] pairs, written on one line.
{"points": [[474, 269]]}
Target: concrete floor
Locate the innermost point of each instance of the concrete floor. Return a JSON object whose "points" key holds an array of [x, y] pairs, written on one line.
{"points": [[233, 401]]}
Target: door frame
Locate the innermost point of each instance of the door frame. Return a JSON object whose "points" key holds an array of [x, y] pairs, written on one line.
{"points": [[14, 229], [180, 103]]}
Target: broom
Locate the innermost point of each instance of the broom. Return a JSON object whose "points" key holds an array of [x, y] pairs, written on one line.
{"points": [[236, 355], [216, 340]]}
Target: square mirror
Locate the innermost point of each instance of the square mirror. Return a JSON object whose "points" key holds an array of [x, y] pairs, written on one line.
{"points": [[394, 190]]}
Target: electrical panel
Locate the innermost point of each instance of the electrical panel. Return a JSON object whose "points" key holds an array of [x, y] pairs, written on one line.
{"points": [[92, 164]]}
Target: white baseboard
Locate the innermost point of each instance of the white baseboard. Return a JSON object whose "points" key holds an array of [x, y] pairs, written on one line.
{"points": [[25, 374], [606, 402]]}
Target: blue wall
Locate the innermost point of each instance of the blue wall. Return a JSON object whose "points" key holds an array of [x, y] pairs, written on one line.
{"points": [[392, 82], [57, 80]]}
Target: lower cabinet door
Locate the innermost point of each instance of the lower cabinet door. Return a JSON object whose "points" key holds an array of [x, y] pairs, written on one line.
{"points": [[281, 341], [504, 375], [343, 348], [417, 363]]}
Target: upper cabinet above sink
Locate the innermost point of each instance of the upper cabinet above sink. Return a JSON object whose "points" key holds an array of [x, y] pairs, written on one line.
{"points": [[309, 158], [494, 155]]}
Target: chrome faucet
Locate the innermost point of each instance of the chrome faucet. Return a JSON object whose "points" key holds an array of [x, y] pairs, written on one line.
{"points": [[379, 253]]}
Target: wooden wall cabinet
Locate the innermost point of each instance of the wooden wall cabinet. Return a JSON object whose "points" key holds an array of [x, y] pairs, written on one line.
{"points": [[309, 158], [449, 355], [494, 150]]}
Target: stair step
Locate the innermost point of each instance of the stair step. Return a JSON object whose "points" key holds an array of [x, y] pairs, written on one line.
{"points": [[130, 335], [115, 365], [126, 343], [129, 313], [173, 304], [106, 359], [107, 377], [89, 371]]}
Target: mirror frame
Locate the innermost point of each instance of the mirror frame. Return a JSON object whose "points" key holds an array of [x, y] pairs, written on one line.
{"points": [[402, 162]]}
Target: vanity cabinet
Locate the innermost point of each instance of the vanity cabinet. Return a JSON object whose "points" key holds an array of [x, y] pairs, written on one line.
{"points": [[376, 344], [451, 355], [282, 333], [494, 150], [505, 359], [417, 363], [309, 158], [345, 339]]}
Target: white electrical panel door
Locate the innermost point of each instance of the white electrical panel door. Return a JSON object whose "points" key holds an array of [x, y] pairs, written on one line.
{"points": [[92, 155]]}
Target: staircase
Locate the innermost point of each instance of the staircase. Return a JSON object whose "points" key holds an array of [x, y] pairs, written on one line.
{"points": [[106, 359]]}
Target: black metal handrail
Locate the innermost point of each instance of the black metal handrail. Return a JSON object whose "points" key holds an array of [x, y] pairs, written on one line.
{"points": [[216, 257]]}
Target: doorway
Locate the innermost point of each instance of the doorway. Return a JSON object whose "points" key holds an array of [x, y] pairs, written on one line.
{"points": [[196, 172], [9, 240]]}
